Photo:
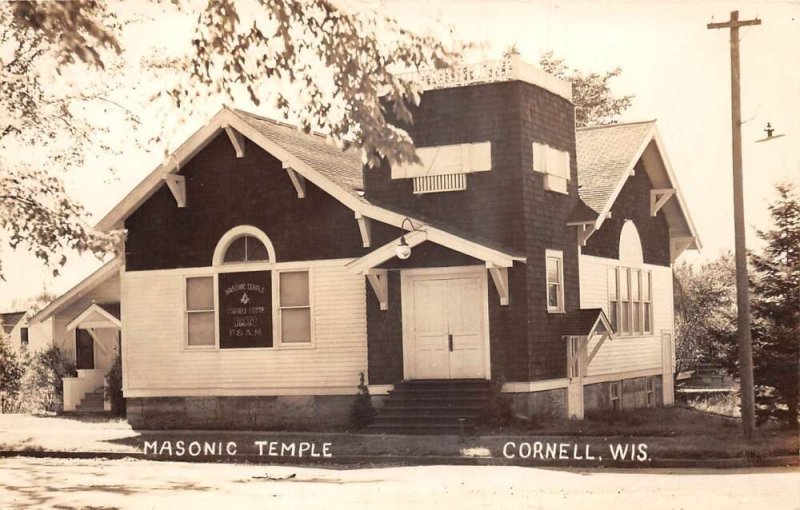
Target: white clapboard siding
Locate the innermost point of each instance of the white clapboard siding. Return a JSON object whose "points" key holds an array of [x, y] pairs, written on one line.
{"points": [[157, 364], [626, 354]]}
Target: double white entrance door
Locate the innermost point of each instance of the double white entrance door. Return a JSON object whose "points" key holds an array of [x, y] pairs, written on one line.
{"points": [[444, 329]]}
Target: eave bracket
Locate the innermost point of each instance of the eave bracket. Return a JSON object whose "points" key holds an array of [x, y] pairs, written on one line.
{"points": [[365, 227], [237, 140], [659, 197], [177, 185], [298, 181], [500, 279], [379, 281]]}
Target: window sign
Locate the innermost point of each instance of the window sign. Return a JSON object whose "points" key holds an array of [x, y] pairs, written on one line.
{"points": [[245, 310]]}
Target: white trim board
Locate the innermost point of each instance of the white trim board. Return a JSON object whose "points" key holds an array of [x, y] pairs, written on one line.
{"points": [[241, 391], [534, 386], [618, 376]]}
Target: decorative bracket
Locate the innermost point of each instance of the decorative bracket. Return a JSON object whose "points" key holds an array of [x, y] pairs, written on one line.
{"points": [[659, 197], [500, 279], [97, 341], [365, 227], [585, 231], [379, 281], [600, 342], [298, 181], [177, 185], [237, 140]]}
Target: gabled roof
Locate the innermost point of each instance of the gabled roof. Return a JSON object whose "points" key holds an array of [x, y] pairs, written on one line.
{"points": [[337, 172], [585, 322], [9, 320], [606, 154], [606, 157], [98, 316], [106, 271]]}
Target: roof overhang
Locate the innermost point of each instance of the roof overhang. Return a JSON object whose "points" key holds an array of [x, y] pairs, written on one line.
{"points": [[95, 316], [89, 283], [657, 165], [228, 118]]}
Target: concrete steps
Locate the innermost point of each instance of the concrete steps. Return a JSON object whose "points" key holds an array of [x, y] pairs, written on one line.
{"points": [[91, 403], [433, 407]]}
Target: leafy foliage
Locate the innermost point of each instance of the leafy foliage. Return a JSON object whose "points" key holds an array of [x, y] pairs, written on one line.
{"points": [[11, 369], [362, 413], [344, 67], [46, 129], [775, 282], [594, 101], [42, 387], [705, 312]]}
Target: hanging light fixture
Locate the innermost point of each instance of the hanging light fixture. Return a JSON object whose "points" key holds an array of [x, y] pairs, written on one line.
{"points": [[403, 250]]}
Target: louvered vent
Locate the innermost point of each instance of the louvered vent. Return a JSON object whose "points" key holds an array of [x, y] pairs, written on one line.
{"points": [[438, 183]]}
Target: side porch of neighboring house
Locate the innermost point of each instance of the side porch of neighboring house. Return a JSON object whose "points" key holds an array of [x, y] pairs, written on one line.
{"points": [[85, 324]]}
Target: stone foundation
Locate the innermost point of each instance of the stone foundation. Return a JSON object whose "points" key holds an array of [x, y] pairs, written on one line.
{"points": [[597, 397], [549, 403], [302, 412]]}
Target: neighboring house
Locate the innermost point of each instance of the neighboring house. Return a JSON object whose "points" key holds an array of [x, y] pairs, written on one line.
{"points": [[85, 324], [15, 328], [264, 269]]}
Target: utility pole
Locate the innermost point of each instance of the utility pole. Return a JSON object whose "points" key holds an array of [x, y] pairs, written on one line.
{"points": [[742, 290]]}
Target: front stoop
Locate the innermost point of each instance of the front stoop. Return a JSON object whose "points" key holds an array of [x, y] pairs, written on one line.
{"points": [[434, 407], [91, 403]]}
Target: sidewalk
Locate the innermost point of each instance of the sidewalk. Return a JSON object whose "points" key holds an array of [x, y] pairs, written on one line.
{"points": [[79, 437]]}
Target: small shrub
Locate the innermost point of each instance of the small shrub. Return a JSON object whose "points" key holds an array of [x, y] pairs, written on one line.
{"points": [[113, 388], [362, 413], [12, 367], [498, 413], [42, 387]]}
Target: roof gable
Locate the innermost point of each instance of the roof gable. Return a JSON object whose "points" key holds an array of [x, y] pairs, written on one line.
{"points": [[9, 320], [606, 157], [336, 172]]}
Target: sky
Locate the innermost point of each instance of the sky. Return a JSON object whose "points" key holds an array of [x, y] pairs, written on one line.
{"points": [[677, 69]]}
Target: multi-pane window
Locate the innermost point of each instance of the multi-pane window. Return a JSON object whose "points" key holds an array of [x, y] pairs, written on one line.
{"points": [[294, 307], [555, 281], [630, 305], [647, 303], [613, 297], [649, 389], [624, 302], [23, 337], [200, 311]]}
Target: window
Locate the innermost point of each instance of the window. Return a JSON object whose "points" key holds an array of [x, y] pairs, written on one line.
{"points": [[245, 249], [200, 312], [613, 296], [23, 337], [554, 164], [555, 281], [294, 307], [616, 395], [647, 305], [630, 306], [624, 302], [649, 389]]}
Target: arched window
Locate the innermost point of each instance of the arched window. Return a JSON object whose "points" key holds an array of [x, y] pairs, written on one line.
{"points": [[246, 249], [244, 243]]}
